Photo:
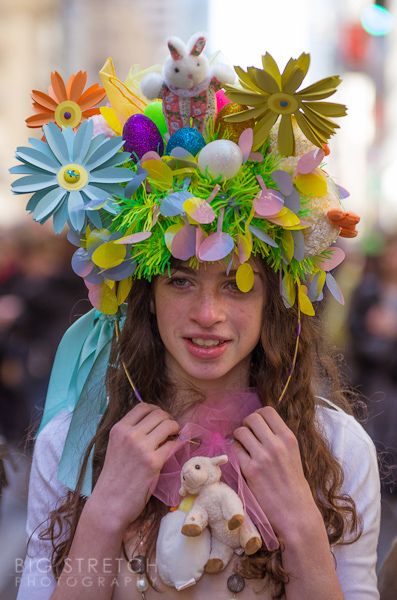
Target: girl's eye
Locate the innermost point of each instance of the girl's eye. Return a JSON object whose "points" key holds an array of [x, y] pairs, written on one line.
{"points": [[179, 282], [232, 286]]}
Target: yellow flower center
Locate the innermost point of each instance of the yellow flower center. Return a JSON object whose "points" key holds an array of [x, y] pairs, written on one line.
{"points": [[283, 104], [72, 177], [68, 114]]}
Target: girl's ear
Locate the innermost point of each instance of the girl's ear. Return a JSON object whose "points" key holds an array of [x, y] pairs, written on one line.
{"points": [[196, 44], [176, 47]]}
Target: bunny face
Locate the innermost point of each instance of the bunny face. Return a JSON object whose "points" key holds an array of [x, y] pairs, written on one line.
{"points": [[186, 67], [200, 471]]}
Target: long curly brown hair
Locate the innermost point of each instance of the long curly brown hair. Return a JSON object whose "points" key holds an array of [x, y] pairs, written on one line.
{"points": [[141, 350]]}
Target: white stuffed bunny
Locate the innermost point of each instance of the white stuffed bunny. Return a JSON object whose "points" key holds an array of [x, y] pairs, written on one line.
{"points": [[219, 507], [188, 84]]}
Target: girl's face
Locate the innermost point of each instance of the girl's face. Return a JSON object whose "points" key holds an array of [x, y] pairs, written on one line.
{"points": [[208, 327]]}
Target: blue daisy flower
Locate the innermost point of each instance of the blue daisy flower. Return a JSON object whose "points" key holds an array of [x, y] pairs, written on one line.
{"points": [[71, 175]]}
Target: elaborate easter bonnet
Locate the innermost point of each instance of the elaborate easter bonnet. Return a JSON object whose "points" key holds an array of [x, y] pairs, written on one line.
{"points": [[196, 162]]}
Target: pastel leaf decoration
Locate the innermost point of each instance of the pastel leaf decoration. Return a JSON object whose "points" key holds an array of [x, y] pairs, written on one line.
{"points": [[135, 182], [310, 161], [170, 233], [288, 245], [337, 256], [304, 302], [120, 272], [183, 245], [159, 173], [343, 193], [269, 203], [299, 245], [81, 263], [334, 288], [244, 246], [255, 157], [245, 143], [199, 210], [96, 237], [215, 247], [151, 155], [134, 238], [316, 285], [172, 205], [245, 277], [283, 181], [285, 218], [288, 290], [103, 298], [109, 255], [264, 237], [293, 201], [312, 184], [123, 289]]}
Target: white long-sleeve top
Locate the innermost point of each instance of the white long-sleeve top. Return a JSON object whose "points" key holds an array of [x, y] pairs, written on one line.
{"points": [[355, 563]]}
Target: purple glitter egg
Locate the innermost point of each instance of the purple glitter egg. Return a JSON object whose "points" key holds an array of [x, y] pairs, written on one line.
{"points": [[141, 135]]}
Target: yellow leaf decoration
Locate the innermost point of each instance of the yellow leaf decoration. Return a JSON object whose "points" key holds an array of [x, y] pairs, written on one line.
{"points": [[312, 184], [288, 245], [123, 289], [244, 246], [109, 255], [245, 277], [285, 218], [111, 118], [304, 303], [270, 95], [108, 302], [159, 172]]}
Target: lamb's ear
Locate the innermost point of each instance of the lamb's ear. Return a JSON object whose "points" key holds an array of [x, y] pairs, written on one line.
{"points": [[220, 460], [196, 44], [176, 47], [182, 491]]}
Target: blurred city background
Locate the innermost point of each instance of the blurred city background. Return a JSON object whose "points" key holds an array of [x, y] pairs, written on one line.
{"points": [[40, 296]]}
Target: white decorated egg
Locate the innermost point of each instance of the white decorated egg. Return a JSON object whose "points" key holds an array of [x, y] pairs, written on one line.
{"points": [[220, 158]]}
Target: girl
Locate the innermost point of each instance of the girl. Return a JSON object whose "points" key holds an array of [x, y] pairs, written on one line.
{"points": [[307, 461]]}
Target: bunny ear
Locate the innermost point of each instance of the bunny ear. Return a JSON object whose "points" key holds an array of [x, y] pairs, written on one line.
{"points": [[220, 460], [196, 44], [176, 48]]}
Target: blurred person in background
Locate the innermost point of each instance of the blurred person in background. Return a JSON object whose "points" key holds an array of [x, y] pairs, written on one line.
{"points": [[37, 295], [372, 326]]}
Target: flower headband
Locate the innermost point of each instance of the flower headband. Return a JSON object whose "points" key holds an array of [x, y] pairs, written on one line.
{"points": [[205, 169]]}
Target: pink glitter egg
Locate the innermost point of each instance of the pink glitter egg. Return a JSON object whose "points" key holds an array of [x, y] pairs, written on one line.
{"points": [[141, 135], [221, 100]]}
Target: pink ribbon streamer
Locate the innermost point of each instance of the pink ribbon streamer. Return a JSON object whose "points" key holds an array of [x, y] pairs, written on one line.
{"points": [[210, 425]]}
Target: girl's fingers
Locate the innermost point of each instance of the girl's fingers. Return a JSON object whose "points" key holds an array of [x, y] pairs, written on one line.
{"points": [[259, 427], [136, 414], [242, 456], [247, 440], [151, 420], [163, 430], [166, 450], [273, 420]]}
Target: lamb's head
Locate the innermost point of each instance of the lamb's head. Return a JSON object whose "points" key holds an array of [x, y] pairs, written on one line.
{"points": [[200, 471]]}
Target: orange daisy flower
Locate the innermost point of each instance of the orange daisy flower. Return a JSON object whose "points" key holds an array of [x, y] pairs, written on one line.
{"points": [[68, 104]]}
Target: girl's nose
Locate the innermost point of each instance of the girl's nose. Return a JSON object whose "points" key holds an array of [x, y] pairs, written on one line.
{"points": [[208, 310]]}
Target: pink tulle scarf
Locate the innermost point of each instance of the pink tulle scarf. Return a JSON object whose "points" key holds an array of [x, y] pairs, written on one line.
{"points": [[210, 425]]}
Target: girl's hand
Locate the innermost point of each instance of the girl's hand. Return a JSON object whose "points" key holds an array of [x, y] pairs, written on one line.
{"points": [[136, 452], [269, 457]]}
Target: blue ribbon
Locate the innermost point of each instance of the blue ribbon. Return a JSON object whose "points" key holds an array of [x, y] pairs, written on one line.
{"points": [[77, 384]]}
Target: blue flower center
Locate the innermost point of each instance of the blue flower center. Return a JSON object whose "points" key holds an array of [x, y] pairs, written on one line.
{"points": [[67, 114], [284, 103]]}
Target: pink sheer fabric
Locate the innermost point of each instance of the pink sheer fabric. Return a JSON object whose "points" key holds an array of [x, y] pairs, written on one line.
{"points": [[208, 431]]}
